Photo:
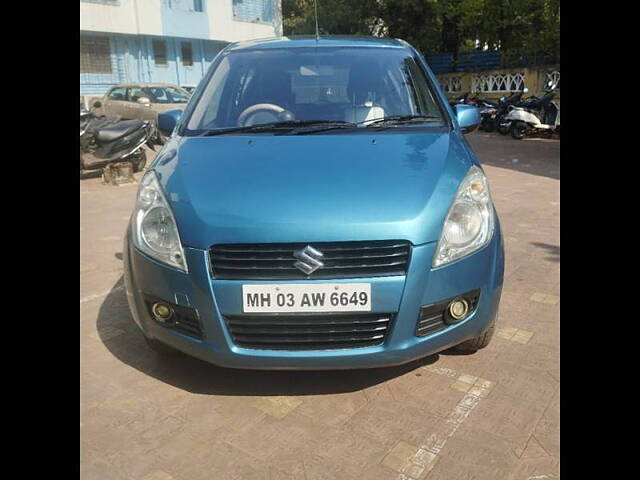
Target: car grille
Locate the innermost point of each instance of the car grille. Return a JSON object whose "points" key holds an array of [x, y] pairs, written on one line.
{"points": [[309, 332], [340, 259], [435, 317]]}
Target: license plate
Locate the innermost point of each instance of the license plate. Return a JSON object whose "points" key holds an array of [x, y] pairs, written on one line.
{"points": [[300, 298]]}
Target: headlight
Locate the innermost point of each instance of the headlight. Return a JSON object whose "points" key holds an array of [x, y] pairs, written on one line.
{"points": [[470, 221], [153, 226]]}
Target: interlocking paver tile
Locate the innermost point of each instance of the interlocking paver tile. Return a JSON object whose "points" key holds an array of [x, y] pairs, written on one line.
{"points": [[506, 332], [461, 386], [278, 407], [545, 298], [522, 336], [399, 456]]}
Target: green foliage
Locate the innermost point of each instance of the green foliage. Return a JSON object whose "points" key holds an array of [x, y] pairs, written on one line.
{"points": [[525, 31], [337, 17]]}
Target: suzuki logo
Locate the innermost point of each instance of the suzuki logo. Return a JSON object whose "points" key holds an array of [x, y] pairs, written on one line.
{"points": [[308, 259]]}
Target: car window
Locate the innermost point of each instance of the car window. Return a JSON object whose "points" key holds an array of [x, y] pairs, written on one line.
{"points": [[341, 84], [135, 93], [168, 95], [118, 93]]}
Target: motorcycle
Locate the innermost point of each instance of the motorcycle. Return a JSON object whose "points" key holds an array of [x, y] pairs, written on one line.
{"points": [[504, 106], [462, 99], [488, 111], [535, 116], [105, 141]]}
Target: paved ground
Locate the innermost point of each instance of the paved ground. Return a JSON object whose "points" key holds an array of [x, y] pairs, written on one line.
{"points": [[492, 415]]}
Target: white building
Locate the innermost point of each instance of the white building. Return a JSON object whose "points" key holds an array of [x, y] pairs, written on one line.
{"points": [[171, 41]]}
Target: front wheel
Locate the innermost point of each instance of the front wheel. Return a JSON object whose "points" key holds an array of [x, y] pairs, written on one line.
{"points": [[503, 128], [481, 341], [518, 130], [488, 125]]}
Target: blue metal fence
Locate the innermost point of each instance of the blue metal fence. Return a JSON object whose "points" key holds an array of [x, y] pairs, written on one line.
{"points": [[471, 61]]}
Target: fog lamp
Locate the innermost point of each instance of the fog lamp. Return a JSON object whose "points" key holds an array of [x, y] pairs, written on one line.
{"points": [[459, 308], [162, 312]]}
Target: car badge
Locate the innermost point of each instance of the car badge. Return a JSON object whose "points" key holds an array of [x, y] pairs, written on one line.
{"points": [[308, 260]]}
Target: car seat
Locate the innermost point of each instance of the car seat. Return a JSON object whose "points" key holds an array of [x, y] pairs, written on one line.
{"points": [[364, 86]]}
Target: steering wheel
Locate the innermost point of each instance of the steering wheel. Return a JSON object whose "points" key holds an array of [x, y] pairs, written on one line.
{"points": [[255, 112]]}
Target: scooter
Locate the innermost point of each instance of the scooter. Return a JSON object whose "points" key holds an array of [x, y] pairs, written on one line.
{"points": [[505, 105], [105, 141], [535, 116]]}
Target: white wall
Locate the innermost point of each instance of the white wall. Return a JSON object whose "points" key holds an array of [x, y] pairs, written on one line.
{"points": [[144, 17], [131, 16], [223, 27]]}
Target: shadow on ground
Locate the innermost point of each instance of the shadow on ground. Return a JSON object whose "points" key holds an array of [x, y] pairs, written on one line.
{"points": [[535, 156], [552, 250], [196, 376]]}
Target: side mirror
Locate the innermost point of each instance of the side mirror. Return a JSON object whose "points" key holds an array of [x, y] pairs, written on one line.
{"points": [[144, 101], [167, 121], [97, 104], [468, 117]]}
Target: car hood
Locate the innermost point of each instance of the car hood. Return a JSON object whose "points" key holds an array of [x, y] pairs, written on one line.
{"points": [[312, 188]]}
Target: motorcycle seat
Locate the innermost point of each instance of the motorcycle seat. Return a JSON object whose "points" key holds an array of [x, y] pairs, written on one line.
{"points": [[491, 103], [118, 130]]}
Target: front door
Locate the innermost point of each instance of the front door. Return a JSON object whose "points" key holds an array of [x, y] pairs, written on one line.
{"points": [[115, 102]]}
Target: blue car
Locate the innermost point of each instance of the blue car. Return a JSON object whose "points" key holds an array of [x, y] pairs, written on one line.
{"points": [[316, 207]]}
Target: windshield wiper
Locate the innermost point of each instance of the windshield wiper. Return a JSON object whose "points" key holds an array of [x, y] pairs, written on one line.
{"points": [[399, 119], [323, 126], [280, 126]]}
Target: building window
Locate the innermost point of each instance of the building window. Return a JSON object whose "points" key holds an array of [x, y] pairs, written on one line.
{"points": [[197, 6], [160, 52], [95, 54], [187, 54], [253, 11]]}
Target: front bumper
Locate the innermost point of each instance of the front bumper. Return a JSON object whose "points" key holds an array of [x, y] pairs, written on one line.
{"points": [[405, 295]]}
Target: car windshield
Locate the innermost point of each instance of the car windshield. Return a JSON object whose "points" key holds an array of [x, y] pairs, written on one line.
{"points": [[167, 95], [305, 85]]}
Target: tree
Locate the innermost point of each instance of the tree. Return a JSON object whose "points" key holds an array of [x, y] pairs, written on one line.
{"points": [[524, 31], [336, 17]]}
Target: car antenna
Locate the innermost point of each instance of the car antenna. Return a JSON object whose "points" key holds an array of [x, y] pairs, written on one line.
{"points": [[315, 3]]}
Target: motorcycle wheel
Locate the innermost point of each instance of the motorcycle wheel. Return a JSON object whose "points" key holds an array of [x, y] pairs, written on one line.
{"points": [[517, 130], [488, 126], [503, 128]]}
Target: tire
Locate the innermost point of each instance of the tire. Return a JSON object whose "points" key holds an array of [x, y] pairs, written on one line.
{"points": [[518, 130], [481, 341], [488, 126], [160, 348], [503, 129]]}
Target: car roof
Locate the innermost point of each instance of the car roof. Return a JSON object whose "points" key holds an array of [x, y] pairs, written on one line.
{"points": [[145, 84], [301, 41]]}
